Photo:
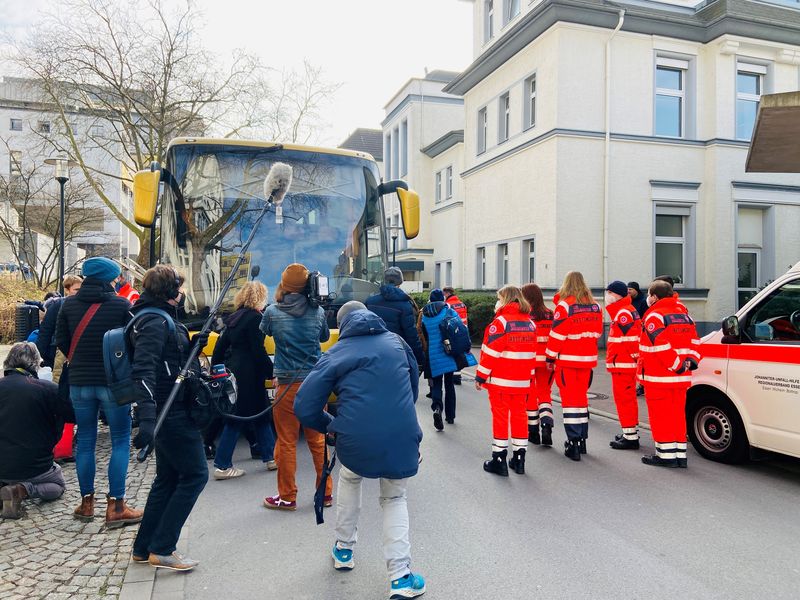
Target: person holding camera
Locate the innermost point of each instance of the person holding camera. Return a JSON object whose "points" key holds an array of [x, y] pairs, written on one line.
{"points": [[298, 325], [241, 349], [159, 353]]}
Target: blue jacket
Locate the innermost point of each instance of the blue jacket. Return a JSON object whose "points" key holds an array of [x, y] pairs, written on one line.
{"points": [[297, 328], [374, 376], [396, 309], [439, 362]]}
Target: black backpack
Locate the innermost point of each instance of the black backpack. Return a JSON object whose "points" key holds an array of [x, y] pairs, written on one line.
{"points": [[455, 335]]}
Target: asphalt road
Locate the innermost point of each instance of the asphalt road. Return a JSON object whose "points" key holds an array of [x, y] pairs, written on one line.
{"points": [[607, 527]]}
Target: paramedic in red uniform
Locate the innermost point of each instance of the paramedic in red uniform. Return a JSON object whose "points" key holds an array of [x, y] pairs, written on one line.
{"points": [[461, 310], [508, 360], [622, 352], [668, 353], [540, 407], [572, 352]]}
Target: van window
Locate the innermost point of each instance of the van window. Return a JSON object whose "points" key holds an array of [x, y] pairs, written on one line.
{"points": [[777, 317]]}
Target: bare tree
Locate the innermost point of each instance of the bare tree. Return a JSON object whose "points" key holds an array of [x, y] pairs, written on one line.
{"points": [[144, 77], [31, 207]]}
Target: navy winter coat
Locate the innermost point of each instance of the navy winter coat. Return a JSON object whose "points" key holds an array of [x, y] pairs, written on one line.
{"points": [[374, 376], [439, 362], [396, 309]]}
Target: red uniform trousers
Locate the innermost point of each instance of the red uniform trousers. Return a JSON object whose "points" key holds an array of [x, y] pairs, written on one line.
{"points": [[508, 407], [573, 386], [539, 405], [666, 406], [63, 448], [624, 386]]}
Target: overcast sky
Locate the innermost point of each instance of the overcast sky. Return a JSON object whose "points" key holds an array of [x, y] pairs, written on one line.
{"points": [[371, 47]]}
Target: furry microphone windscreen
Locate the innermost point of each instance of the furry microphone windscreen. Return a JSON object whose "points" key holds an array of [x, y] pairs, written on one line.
{"points": [[277, 182]]}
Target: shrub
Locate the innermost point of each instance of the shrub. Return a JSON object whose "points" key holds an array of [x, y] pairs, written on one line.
{"points": [[480, 315], [11, 292]]}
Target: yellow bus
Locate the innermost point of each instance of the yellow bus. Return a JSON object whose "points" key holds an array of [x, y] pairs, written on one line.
{"points": [[202, 202]]}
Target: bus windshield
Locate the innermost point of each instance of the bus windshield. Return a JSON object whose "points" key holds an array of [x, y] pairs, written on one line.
{"points": [[332, 221]]}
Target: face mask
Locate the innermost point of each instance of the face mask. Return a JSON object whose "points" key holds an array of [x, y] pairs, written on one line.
{"points": [[497, 306], [610, 298], [651, 300]]}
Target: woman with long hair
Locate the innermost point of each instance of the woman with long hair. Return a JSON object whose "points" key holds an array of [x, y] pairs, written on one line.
{"points": [[572, 353], [241, 349], [540, 407], [508, 360]]}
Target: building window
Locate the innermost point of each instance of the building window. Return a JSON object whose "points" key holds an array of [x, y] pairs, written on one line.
{"points": [[488, 20], [437, 275], [437, 190], [510, 10], [404, 149], [448, 182], [43, 127], [670, 246], [15, 163], [387, 156], [505, 118], [670, 107], [502, 265], [481, 268], [483, 130], [749, 87], [530, 102], [448, 273], [750, 246], [529, 260], [396, 152], [16, 125], [97, 130]]}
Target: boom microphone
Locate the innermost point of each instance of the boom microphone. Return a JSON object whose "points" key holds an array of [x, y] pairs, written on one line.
{"points": [[276, 185]]}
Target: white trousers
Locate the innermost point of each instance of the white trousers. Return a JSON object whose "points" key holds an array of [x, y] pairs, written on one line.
{"points": [[393, 500]]}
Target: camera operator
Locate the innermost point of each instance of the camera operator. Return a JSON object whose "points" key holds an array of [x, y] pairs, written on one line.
{"points": [[181, 470], [297, 325]]}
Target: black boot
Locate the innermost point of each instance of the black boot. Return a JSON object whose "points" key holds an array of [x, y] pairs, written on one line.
{"points": [[682, 464], [572, 449], [656, 461], [582, 445], [547, 435], [624, 443], [517, 461], [498, 464], [533, 435]]}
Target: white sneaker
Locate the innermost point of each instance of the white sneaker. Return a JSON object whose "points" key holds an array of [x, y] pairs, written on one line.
{"points": [[228, 473], [272, 465]]}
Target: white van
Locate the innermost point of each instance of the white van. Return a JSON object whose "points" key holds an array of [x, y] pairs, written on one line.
{"points": [[746, 393]]}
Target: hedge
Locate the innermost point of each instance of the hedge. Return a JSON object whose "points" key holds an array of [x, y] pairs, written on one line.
{"points": [[480, 309]]}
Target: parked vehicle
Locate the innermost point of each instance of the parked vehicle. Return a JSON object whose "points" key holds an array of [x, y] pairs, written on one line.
{"points": [[746, 393]]}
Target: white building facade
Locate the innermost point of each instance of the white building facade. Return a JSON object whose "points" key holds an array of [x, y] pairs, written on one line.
{"points": [[621, 153]]}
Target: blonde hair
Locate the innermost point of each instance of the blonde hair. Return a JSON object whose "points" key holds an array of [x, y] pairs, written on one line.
{"points": [[574, 285], [252, 295], [512, 293], [71, 280]]}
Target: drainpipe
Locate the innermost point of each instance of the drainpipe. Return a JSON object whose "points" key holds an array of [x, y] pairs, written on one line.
{"points": [[607, 149]]}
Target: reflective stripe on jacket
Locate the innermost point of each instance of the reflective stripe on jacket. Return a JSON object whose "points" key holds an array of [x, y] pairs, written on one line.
{"points": [[622, 349], [458, 306], [573, 339], [508, 353], [668, 338]]}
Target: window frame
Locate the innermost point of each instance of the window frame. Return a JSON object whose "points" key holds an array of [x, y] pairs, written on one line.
{"points": [[529, 108], [508, 6], [12, 121], [404, 148], [437, 187], [682, 66], [480, 271], [503, 117], [14, 160], [448, 182], [448, 273], [748, 68], [488, 20], [751, 290], [756, 309], [483, 130], [503, 273], [437, 274], [662, 210], [44, 126], [529, 259]]}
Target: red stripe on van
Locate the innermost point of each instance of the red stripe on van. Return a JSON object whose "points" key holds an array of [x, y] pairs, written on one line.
{"points": [[773, 353]]}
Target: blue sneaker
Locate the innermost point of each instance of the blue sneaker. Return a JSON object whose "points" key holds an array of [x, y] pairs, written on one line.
{"points": [[409, 586], [342, 558]]}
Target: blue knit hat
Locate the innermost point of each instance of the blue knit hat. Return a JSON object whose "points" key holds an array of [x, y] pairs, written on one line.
{"points": [[618, 287], [437, 295], [101, 268]]}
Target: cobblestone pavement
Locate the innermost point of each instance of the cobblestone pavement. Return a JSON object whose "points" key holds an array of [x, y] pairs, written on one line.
{"points": [[49, 555]]}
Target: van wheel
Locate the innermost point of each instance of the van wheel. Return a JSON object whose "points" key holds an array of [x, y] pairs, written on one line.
{"points": [[715, 428]]}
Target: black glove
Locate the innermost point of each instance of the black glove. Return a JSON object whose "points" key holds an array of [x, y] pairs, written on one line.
{"points": [[201, 338], [145, 436], [691, 364], [330, 438]]}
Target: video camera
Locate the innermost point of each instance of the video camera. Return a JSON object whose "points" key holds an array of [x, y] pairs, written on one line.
{"points": [[318, 288]]}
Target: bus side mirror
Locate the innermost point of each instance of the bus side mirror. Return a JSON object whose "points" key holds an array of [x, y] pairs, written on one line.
{"points": [[730, 331], [145, 196], [409, 210]]}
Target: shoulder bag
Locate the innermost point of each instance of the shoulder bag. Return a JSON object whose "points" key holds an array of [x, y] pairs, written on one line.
{"points": [[63, 380]]}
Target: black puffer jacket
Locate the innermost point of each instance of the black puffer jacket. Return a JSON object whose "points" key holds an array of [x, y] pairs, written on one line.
{"points": [[158, 356], [86, 367]]}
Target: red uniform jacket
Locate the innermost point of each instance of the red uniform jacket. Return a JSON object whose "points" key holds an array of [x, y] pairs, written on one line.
{"points": [[458, 306], [668, 338], [622, 350], [573, 339], [543, 327], [508, 354]]}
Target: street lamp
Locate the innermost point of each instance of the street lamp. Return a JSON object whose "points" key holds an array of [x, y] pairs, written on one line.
{"points": [[394, 229], [62, 166]]}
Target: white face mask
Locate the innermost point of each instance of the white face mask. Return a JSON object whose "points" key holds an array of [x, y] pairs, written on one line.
{"points": [[497, 306], [651, 300], [610, 298]]}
